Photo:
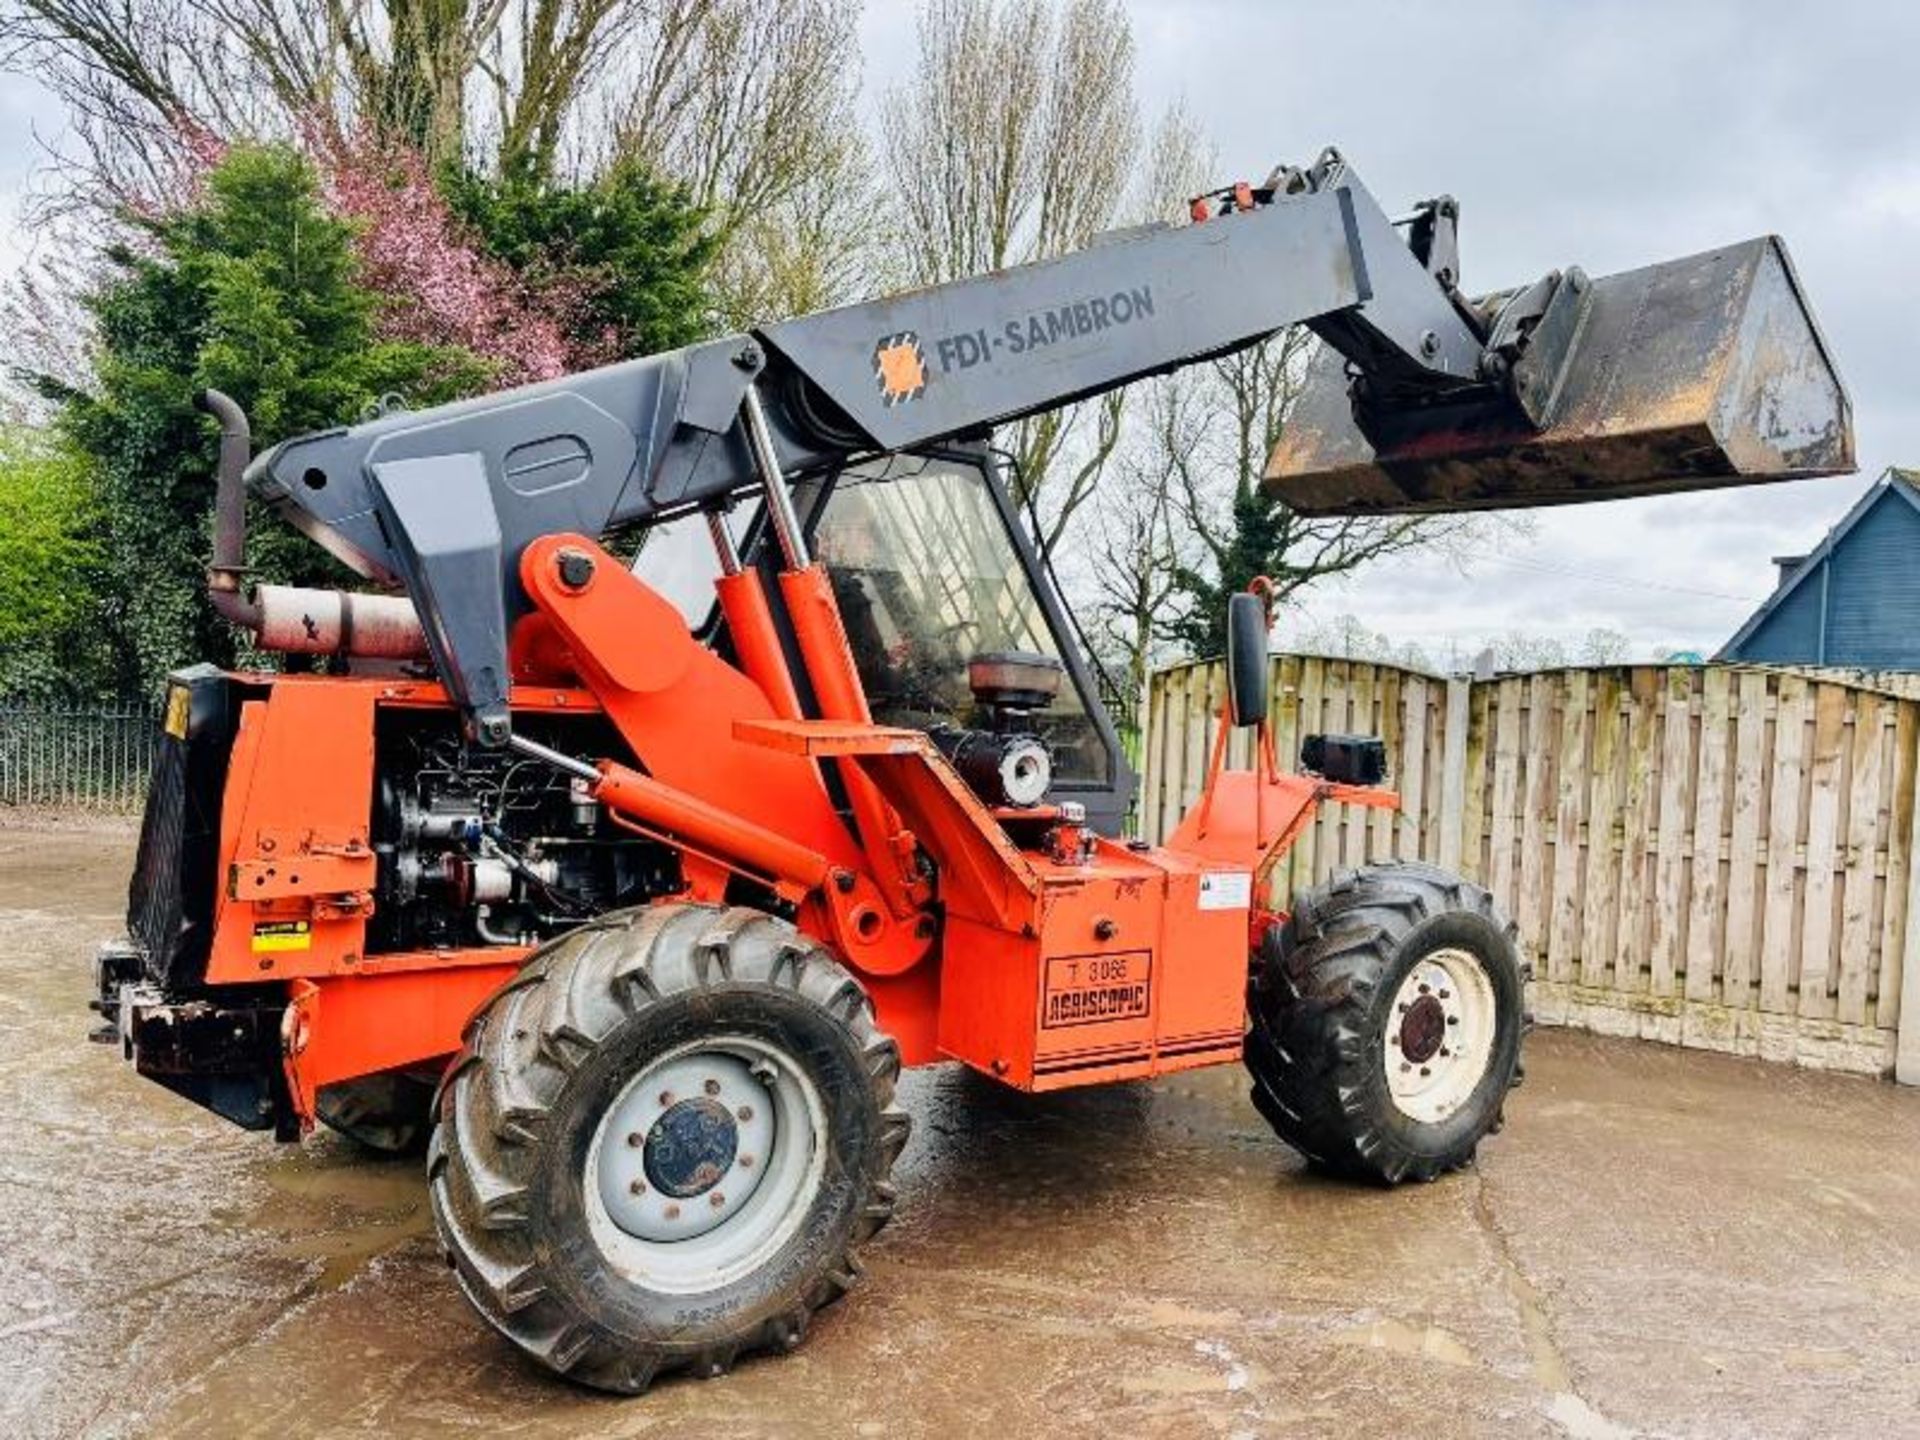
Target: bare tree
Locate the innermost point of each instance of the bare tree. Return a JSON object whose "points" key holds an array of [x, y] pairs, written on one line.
{"points": [[1603, 646], [1135, 539], [1351, 638], [139, 77], [810, 250], [1179, 160], [752, 105], [743, 101], [1014, 140], [748, 103], [1240, 532], [1521, 650]]}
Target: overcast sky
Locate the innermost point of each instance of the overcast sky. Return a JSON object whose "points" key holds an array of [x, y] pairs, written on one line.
{"points": [[1609, 135]]}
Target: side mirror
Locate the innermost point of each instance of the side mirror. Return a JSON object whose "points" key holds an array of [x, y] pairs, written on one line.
{"points": [[1247, 664]]}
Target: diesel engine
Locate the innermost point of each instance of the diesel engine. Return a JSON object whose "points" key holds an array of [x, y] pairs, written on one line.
{"points": [[487, 847]]}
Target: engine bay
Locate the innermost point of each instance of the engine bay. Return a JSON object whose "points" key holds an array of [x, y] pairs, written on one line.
{"points": [[486, 847]]}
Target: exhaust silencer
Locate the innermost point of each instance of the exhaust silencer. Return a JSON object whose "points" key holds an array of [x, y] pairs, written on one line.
{"points": [[1694, 374]]}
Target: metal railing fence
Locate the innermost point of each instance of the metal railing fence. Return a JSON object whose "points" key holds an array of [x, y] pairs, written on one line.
{"points": [[76, 757]]}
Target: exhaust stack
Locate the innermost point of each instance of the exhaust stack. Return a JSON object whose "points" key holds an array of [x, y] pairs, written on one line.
{"points": [[1690, 375], [227, 573], [291, 619]]}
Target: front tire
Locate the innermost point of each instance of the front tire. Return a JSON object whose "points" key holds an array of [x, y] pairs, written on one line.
{"points": [[664, 1143], [1386, 1018]]}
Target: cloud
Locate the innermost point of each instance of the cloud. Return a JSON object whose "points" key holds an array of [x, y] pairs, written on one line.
{"points": [[1609, 134]]}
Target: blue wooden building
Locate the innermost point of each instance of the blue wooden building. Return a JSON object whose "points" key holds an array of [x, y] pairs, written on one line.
{"points": [[1855, 600]]}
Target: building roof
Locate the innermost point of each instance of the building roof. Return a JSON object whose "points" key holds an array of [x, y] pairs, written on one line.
{"points": [[1894, 482]]}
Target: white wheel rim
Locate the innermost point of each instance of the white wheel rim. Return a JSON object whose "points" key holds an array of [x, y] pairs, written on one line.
{"points": [[705, 1165], [1440, 1035]]}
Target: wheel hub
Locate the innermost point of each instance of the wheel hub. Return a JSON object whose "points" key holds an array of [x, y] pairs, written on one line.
{"points": [[705, 1163], [1440, 1035], [1421, 1029], [688, 1144], [690, 1148]]}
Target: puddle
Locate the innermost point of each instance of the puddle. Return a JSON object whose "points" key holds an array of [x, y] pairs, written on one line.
{"points": [[1429, 1342], [1582, 1421]]}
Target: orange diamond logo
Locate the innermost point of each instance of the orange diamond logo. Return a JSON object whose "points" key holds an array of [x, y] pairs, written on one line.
{"points": [[900, 368]]}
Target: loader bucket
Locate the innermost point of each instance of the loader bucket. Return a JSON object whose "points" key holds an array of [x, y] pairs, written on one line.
{"points": [[1690, 375]]}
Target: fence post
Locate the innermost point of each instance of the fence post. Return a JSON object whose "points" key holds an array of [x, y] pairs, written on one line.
{"points": [[1453, 769], [1143, 816], [1906, 1053]]}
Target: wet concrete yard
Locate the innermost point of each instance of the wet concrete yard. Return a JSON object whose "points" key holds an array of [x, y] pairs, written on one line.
{"points": [[1660, 1243]]}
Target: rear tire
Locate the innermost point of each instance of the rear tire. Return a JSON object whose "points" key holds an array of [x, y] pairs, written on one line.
{"points": [[390, 1113], [1386, 1018], [664, 1143]]}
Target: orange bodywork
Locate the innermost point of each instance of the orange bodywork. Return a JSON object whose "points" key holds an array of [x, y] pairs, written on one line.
{"points": [[1051, 958]]}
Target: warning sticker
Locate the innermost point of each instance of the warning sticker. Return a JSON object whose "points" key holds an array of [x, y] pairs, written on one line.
{"points": [[1226, 890], [179, 707], [1091, 989], [270, 935]]}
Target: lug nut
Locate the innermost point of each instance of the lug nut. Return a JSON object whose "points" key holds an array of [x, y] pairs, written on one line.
{"points": [[746, 1162], [716, 1199], [712, 1087], [636, 1139], [672, 1212], [666, 1098], [638, 1187], [744, 1113]]}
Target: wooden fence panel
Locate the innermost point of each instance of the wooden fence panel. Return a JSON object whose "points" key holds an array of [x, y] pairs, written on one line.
{"points": [[1502, 837], [1778, 953], [1569, 807], [1636, 825], [1599, 922], [1860, 886], [1706, 929], [1894, 927], [1746, 882], [1536, 807], [1671, 831], [1714, 856]]}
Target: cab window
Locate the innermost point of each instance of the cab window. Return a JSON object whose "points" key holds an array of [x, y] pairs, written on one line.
{"points": [[926, 577]]}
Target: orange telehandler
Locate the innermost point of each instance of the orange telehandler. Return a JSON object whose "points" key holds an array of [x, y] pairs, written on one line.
{"points": [[715, 743]]}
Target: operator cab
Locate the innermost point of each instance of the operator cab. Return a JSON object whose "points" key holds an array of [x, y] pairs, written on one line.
{"points": [[932, 571]]}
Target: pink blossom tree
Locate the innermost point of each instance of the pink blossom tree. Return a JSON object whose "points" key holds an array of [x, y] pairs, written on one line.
{"points": [[436, 286]]}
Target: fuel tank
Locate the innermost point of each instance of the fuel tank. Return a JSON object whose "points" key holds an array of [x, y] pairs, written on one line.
{"points": [[1688, 375]]}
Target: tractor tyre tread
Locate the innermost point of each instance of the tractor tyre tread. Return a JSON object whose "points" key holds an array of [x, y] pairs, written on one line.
{"points": [[499, 1122], [1314, 1040]]}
